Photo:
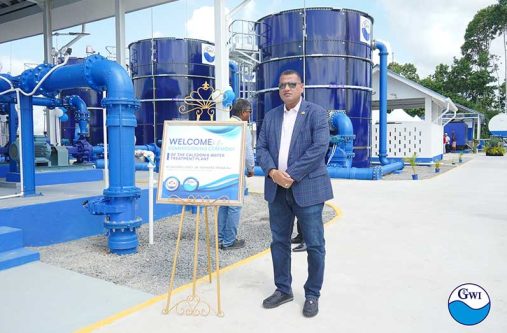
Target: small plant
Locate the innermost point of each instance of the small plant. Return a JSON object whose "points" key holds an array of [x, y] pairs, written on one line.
{"points": [[412, 161], [437, 166], [494, 147]]}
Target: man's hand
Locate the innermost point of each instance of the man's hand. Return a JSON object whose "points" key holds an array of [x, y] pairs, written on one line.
{"points": [[250, 174], [281, 178]]}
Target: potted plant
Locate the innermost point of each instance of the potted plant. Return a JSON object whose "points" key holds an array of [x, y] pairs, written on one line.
{"points": [[437, 166], [494, 147], [412, 161]]}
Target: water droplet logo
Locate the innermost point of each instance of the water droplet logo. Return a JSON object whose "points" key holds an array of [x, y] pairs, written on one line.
{"points": [[172, 184], [365, 30], [190, 184], [469, 304], [208, 53]]}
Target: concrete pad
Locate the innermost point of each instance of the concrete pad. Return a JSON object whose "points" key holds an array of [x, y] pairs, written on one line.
{"points": [[393, 258], [42, 298]]}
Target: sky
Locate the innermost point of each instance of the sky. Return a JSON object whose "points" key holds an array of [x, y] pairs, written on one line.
{"points": [[425, 33]]}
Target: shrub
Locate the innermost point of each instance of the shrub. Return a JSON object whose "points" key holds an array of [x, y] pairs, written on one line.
{"points": [[412, 161], [494, 147]]}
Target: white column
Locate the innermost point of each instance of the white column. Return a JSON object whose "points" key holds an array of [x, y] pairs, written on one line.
{"points": [[48, 31], [221, 54], [428, 114], [119, 14]]}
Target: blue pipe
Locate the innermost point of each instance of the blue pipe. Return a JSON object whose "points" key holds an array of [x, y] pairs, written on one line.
{"points": [[82, 113], [355, 173], [233, 73], [343, 141], [118, 203], [28, 147], [142, 166], [384, 161], [383, 102], [13, 126]]}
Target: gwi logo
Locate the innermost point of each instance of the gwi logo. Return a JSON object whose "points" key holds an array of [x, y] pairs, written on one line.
{"points": [[365, 29], [469, 304]]}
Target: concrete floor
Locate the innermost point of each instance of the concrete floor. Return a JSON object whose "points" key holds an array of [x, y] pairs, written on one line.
{"points": [[394, 256]]}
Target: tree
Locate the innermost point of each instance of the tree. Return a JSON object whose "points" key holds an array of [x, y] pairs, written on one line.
{"points": [[407, 70]]}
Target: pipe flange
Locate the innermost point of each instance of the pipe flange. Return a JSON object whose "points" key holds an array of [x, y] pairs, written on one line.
{"points": [[88, 64], [39, 73], [25, 80], [129, 102], [124, 192], [121, 225]]}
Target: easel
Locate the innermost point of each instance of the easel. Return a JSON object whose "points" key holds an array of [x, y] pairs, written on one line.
{"points": [[192, 305]]}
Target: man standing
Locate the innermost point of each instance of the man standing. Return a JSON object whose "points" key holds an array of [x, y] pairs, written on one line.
{"points": [[228, 216], [291, 150]]}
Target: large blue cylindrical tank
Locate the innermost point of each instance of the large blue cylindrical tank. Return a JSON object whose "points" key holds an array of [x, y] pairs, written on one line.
{"points": [[164, 72], [334, 59], [93, 100]]}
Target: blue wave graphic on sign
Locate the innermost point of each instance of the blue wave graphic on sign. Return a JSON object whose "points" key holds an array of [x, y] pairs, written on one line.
{"points": [[225, 187], [228, 131], [466, 315], [221, 183]]}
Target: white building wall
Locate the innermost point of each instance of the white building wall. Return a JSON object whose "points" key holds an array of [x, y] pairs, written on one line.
{"points": [[406, 138]]}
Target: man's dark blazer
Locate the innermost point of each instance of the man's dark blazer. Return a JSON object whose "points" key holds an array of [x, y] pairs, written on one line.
{"points": [[306, 162]]}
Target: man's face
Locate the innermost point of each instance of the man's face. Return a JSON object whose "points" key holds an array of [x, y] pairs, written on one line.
{"points": [[290, 89], [245, 114]]}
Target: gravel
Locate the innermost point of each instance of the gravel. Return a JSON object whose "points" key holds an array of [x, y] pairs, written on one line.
{"points": [[149, 269]]}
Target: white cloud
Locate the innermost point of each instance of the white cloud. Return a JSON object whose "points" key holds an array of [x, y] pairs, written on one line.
{"points": [[15, 66], [157, 34], [430, 32], [201, 24]]}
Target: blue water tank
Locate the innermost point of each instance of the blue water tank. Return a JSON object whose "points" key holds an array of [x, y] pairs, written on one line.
{"points": [[164, 71], [334, 58]]}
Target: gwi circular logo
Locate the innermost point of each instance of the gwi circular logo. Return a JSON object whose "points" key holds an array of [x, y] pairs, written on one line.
{"points": [[469, 304]]}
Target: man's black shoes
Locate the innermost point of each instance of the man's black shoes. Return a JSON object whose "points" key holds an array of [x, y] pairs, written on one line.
{"points": [[300, 248], [298, 239], [311, 307], [278, 298], [238, 244]]}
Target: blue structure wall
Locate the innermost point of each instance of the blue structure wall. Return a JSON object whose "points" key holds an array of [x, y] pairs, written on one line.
{"points": [[66, 220], [460, 129]]}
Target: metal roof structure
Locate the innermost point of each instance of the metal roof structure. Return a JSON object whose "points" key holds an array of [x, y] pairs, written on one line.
{"points": [[25, 18]]}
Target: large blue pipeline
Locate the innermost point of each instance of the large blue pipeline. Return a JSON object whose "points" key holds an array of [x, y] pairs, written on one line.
{"points": [[387, 166], [118, 202]]}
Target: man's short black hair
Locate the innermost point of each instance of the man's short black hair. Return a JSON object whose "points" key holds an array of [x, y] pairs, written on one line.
{"points": [[240, 105], [291, 72]]}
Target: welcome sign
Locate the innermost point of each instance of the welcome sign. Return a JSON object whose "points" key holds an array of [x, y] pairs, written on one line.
{"points": [[202, 163]]}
